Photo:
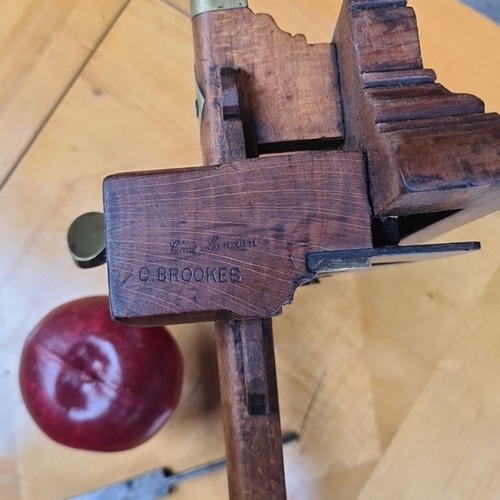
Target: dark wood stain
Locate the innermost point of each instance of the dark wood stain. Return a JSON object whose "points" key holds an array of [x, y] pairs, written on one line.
{"points": [[417, 134]]}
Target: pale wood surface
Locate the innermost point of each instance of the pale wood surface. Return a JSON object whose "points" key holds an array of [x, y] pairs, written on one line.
{"points": [[43, 47], [404, 363]]}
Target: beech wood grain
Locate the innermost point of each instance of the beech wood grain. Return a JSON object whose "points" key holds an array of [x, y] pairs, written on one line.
{"points": [[245, 353], [286, 107], [429, 150], [220, 242], [250, 409], [187, 228]]}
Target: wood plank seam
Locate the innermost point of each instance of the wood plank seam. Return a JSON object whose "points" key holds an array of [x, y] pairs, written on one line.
{"points": [[63, 95], [176, 8]]}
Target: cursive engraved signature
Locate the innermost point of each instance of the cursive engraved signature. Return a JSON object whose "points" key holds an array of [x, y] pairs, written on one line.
{"points": [[179, 247], [215, 244]]}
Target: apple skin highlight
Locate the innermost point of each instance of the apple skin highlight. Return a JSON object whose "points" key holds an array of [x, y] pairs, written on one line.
{"points": [[94, 384]]}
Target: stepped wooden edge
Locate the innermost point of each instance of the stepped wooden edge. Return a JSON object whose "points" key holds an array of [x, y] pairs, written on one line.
{"points": [[372, 151], [433, 156]]}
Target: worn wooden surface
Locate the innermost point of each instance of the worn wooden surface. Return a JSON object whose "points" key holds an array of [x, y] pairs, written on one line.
{"points": [[229, 241], [281, 101], [429, 150], [250, 409], [403, 361], [245, 349]]}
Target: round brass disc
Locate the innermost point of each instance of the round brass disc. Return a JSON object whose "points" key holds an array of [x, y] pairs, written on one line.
{"points": [[86, 240]]}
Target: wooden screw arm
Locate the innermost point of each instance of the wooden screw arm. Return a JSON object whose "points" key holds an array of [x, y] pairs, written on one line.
{"points": [[374, 152]]}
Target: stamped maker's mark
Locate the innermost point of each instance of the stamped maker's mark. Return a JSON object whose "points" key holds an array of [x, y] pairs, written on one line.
{"points": [[198, 274], [191, 274], [214, 244]]}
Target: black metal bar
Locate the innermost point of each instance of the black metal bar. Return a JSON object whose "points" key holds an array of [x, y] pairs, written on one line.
{"points": [[347, 260]]}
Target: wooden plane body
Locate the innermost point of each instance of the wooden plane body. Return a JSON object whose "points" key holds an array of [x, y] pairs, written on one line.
{"points": [[383, 146]]}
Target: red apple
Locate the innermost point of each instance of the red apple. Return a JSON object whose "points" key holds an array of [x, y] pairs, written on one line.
{"points": [[94, 384]]}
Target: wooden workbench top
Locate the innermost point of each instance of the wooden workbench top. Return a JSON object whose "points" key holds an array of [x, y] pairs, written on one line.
{"points": [[391, 376]]}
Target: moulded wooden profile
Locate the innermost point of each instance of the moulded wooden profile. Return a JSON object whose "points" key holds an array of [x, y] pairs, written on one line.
{"points": [[428, 150]]}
